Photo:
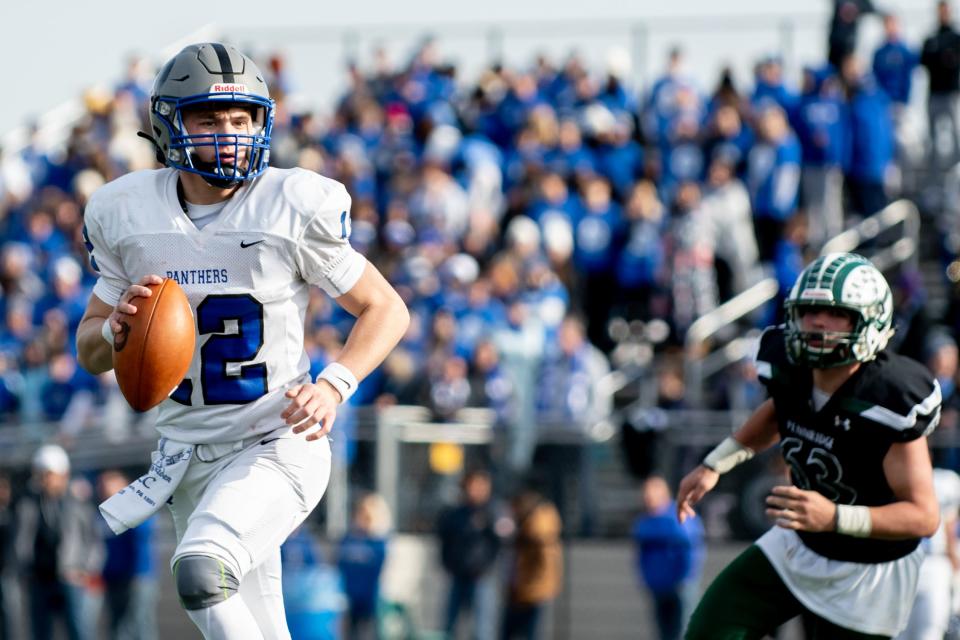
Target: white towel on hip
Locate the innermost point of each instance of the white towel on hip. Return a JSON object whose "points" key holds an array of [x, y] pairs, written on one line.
{"points": [[144, 496]]}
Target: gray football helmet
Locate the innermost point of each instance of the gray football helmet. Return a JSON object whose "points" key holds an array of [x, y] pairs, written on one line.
{"points": [[846, 281], [204, 74]]}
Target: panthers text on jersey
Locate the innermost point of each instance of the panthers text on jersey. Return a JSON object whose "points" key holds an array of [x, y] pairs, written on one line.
{"points": [[247, 277], [838, 451]]}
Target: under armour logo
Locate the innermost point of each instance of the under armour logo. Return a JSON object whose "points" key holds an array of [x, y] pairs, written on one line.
{"points": [[845, 423], [244, 245]]}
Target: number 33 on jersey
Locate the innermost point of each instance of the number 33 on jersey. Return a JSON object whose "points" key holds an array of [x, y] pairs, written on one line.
{"points": [[839, 450], [247, 275]]}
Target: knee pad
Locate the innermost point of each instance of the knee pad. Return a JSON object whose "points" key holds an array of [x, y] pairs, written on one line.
{"points": [[203, 581]]}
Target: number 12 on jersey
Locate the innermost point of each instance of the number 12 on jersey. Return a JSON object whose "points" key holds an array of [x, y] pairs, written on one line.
{"points": [[236, 324]]}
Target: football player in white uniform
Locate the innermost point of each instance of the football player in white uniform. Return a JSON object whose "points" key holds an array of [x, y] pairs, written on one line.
{"points": [[243, 457], [851, 419]]}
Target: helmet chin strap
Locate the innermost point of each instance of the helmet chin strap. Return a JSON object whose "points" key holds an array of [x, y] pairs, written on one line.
{"points": [[220, 183], [212, 168]]}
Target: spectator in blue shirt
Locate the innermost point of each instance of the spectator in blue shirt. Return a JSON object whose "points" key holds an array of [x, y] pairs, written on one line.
{"points": [[894, 62], [527, 156], [669, 558], [520, 100], [728, 136], [642, 256], [490, 386], [361, 556], [871, 139], [770, 88], [598, 236], [666, 99], [479, 316], [569, 400], [65, 294], [773, 178], [788, 262], [553, 198], [683, 159], [561, 90], [614, 92], [44, 239], [570, 158], [893, 66], [618, 156], [129, 572], [69, 396], [18, 328], [822, 127]]}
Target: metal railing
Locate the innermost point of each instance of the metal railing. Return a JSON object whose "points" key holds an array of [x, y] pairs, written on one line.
{"points": [[700, 363], [903, 250], [396, 442]]}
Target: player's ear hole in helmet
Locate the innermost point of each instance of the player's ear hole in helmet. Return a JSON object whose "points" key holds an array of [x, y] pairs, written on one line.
{"points": [[211, 78], [845, 285]]}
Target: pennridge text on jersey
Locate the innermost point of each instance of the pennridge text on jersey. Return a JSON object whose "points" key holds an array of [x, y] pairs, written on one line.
{"points": [[809, 434]]}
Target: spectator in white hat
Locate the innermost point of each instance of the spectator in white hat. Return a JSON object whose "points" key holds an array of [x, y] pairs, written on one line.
{"points": [[56, 548]]}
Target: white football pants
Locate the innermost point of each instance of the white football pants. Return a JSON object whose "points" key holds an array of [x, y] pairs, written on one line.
{"points": [[238, 503]]}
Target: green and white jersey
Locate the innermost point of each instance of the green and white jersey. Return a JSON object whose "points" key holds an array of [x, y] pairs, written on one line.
{"points": [[838, 451], [247, 276]]}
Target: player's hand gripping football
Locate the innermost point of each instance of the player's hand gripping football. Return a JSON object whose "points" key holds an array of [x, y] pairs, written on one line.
{"points": [[800, 510], [693, 487], [125, 306], [310, 405]]}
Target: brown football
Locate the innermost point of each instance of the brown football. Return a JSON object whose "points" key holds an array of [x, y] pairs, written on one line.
{"points": [[152, 352]]}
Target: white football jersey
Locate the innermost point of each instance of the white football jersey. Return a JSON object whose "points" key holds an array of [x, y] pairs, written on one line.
{"points": [[946, 485], [247, 276]]}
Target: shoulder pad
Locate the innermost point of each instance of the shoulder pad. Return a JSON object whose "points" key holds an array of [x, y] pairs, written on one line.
{"points": [[771, 362], [311, 193], [898, 393]]}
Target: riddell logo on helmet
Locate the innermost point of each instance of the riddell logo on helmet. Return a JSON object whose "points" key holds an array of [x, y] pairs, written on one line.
{"points": [[228, 88]]}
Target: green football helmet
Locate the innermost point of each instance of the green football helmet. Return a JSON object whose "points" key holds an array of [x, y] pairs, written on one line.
{"points": [[845, 281]]}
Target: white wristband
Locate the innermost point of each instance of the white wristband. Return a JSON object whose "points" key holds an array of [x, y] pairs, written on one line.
{"points": [[854, 520], [341, 378], [107, 332], [727, 455]]}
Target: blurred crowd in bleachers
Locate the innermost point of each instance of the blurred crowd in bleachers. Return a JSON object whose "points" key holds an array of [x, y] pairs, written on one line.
{"points": [[522, 214], [545, 224]]}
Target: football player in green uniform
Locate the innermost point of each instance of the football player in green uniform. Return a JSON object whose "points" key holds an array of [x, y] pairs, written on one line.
{"points": [[851, 420]]}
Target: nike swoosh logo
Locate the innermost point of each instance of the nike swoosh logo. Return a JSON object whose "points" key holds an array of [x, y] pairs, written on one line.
{"points": [[343, 381], [268, 440], [244, 245]]}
